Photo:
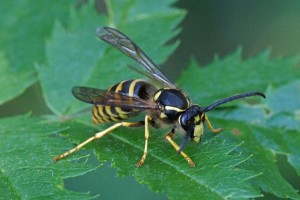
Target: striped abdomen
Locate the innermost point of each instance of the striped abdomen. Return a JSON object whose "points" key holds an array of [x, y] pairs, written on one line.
{"points": [[137, 88]]}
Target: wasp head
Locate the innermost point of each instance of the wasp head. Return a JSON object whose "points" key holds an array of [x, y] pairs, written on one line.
{"points": [[191, 120]]}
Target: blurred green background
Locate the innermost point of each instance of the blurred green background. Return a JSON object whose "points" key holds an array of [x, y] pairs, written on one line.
{"points": [[211, 27]]}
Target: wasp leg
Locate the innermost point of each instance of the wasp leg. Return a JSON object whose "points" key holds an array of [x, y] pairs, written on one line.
{"points": [[98, 136], [210, 126], [171, 134], [173, 143], [141, 162]]}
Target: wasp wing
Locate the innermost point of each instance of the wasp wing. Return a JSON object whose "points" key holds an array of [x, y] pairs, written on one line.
{"points": [[129, 48], [110, 98]]}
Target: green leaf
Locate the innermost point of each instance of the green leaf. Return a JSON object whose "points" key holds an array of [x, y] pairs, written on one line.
{"points": [[72, 54], [10, 84], [284, 106], [231, 75], [27, 145], [261, 143], [24, 27]]}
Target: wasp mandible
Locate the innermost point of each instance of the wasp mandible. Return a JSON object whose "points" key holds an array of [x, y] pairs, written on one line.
{"points": [[165, 104]]}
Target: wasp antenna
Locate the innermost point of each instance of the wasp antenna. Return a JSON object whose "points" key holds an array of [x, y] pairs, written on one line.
{"points": [[239, 96]]}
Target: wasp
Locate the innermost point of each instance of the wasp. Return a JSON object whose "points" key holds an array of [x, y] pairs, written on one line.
{"points": [[162, 102]]}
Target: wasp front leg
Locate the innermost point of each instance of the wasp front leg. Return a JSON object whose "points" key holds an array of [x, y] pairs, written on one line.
{"points": [[169, 137], [210, 126]]}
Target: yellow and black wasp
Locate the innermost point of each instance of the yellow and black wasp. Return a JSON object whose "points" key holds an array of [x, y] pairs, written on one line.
{"points": [[164, 104]]}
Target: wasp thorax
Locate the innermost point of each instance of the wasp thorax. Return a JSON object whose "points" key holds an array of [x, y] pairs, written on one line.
{"points": [[172, 103]]}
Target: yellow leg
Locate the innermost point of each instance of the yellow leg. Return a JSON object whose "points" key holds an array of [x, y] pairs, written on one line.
{"points": [[141, 162], [211, 127], [98, 136], [187, 158]]}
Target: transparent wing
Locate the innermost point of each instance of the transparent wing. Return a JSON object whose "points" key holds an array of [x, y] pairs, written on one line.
{"points": [[129, 48], [106, 97]]}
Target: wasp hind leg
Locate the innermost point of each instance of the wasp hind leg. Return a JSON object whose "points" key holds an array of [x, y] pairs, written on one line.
{"points": [[169, 137], [98, 136]]}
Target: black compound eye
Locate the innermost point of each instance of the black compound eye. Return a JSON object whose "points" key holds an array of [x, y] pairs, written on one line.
{"points": [[185, 121]]}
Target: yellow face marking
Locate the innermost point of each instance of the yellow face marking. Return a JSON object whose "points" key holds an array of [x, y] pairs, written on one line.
{"points": [[196, 119], [198, 132]]}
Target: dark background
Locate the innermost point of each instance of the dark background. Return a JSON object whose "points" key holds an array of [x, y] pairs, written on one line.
{"points": [[218, 27]]}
